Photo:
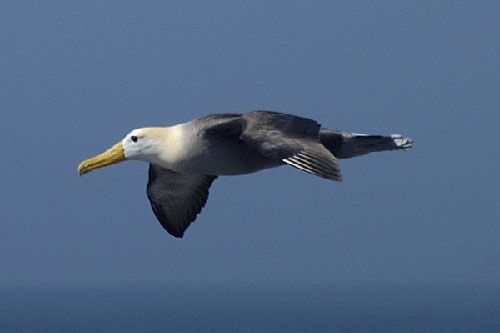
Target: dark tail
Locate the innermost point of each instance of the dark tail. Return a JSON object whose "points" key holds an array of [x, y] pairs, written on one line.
{"points": [[347, 145]]}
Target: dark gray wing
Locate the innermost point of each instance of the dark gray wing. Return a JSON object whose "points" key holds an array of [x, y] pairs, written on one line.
{"points": [[291, 139], [177, 198], [347, 145]]}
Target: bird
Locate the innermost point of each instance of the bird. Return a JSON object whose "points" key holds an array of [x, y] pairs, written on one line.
{"points": [[185, 159]]}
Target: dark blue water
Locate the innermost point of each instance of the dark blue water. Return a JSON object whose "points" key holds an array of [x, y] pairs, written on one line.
{"points": [[250, 309]]}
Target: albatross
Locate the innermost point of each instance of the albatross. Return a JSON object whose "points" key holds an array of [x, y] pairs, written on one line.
{"points": [[185, 159]]}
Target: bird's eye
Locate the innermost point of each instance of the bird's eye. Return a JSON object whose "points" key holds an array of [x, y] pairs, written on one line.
{"points": [[133, 138]]}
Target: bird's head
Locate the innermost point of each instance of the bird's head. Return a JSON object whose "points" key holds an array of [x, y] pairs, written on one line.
{"points": [[140, 144]]}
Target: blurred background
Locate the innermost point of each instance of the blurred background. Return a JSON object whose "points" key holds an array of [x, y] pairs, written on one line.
{"points": [[76, 77]]}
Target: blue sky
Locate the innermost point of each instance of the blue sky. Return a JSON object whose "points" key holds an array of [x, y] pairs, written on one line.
{"points": [[77, 76]]}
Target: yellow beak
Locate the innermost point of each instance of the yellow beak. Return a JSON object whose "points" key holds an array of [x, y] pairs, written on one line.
{"points": [[113, 155]]}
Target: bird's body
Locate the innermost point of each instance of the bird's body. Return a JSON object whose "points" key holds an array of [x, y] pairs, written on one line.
{"points": [[186, 158], [213, 150]]}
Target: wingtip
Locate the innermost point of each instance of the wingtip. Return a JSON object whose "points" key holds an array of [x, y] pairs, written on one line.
{"points": [[402, 143], [174, 232]]}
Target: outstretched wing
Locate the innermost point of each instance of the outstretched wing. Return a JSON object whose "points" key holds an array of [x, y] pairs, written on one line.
{"points": [[291, 139], [177, 198], [347, 145]]}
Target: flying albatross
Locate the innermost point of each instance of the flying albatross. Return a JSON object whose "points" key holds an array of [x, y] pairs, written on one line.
{"points": [[185, 159]]}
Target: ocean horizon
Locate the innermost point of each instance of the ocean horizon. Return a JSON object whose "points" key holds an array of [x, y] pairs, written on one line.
{"points": [[250, 308]]}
